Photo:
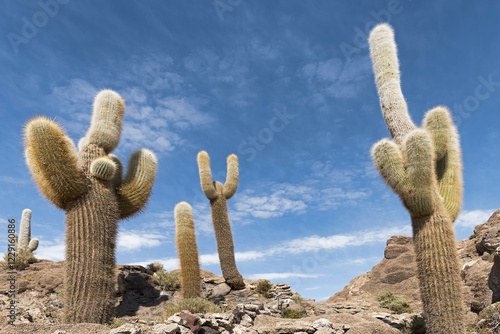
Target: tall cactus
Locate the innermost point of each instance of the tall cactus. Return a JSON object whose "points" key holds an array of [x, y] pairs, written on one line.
{"points": [[423, 166], [88, 185], [218, 194], [25, 241], [187, 251]]}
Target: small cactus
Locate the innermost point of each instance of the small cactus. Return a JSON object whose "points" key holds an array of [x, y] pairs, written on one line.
{"points": [[187, 250], [88, 185], [424, 167], [25, 241], [218, 194]]}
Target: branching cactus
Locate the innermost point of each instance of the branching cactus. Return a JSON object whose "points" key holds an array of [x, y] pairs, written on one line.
{"points": [[88, 185], [187, 251], [218, 194], [423, 166], [25, 241]]}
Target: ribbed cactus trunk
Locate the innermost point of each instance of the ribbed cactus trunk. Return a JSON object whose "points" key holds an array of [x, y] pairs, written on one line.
{"points": [[439, 273], [224, 236], [187, 250], [91, 229]]}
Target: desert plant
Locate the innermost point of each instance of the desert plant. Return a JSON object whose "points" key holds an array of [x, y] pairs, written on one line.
{"points": [[193, 305], [25, 241], [423, 166], [263, 287], [218, 194], [155, 267], [187, 250], [24, 246], [88, 185], [394, 303], [291, 314]]}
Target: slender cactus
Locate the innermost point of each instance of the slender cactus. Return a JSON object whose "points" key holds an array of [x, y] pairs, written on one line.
{"points": [[88, 185], [424, 167], [25, 241], [187, 251], [218, 194]]}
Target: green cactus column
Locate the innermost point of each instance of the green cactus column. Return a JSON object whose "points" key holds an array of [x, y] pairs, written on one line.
{"points": [[218, 194], [88, 185], [187, 250], [423, 166]]}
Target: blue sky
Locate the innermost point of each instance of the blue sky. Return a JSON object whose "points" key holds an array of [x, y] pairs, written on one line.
{"points": [[285, 85]]}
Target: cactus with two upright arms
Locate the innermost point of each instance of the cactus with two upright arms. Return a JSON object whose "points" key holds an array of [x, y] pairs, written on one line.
{"points": [[88, 184], [424, 167]]}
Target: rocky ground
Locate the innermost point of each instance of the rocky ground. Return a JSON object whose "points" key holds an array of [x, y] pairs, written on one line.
{"points": [[354, 310]]}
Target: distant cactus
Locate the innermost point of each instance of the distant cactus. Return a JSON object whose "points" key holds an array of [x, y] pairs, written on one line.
{"points": [[423, 166], [187, 250], [88, 185], [25, 241], [218, 194]]}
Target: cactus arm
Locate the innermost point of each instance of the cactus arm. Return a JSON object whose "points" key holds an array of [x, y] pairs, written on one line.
{"points": [[231, 183], [450, 177], [103, 168], [47, 149], [388, 159], [207, 184], [25, 229], [117, 178], [136, 188], [187, 251], [385, 62], [444, 134], [33, 245], [421, 176], [438, 123], [106, 123]]}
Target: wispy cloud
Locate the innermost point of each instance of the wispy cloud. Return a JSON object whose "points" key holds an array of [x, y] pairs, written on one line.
{"points": [[472, 218], [133, 240], [13, 180], [336, 78], [53, 250], [151, 120], [326, 188], [304, 245]]}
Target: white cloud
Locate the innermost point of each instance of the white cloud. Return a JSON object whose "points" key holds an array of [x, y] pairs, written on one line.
{"points": [[133, 240], [51, 250], [472, 218], [274, 276]]}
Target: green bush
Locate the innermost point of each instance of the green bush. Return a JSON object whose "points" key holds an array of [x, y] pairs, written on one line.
{"points": [[263, 288], [193, 305], [291, 314], [394, 303], [24, 257], [168, 281]]}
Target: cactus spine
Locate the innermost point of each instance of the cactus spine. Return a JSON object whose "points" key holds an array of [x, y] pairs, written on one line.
{"points": [[187, 251], [218, 194], [423, 166], [88, 185]]}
